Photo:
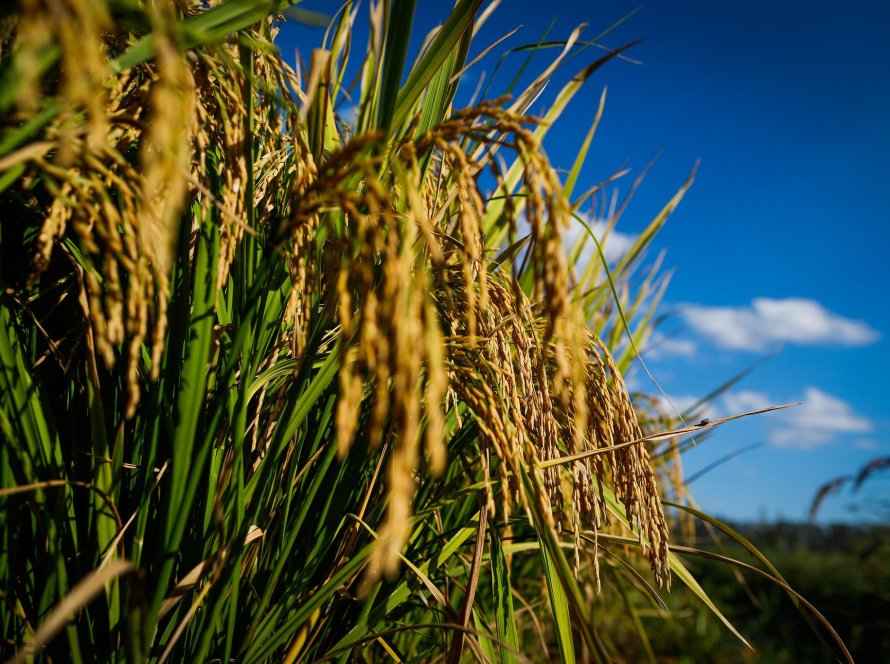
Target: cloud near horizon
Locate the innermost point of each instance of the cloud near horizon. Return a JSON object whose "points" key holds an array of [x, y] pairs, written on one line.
{"points": [[818, 421], [661, 346], [744, 401], [770, 321], [682, 403]]}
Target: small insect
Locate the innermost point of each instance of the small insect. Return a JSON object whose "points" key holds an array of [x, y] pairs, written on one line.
{"points": [[705, 422]]}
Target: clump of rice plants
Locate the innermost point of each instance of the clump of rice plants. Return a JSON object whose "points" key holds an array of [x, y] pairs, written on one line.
{"points": [[279, 387]]}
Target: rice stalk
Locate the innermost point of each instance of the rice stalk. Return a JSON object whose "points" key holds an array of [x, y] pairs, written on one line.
{"points": [[265, 319]]}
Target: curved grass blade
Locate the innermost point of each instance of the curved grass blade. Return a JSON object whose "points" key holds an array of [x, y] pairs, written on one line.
{"points": [[559, 605], [87, 589], [676, 565], [778, 582], [762, 559], [561, 583]]}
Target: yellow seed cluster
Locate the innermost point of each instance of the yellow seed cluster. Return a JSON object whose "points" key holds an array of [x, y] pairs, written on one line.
{"points": [[387, 236], [126, 218], [421, 318]]}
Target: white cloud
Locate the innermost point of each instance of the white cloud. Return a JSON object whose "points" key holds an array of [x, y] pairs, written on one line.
{"points": [[734, 403], [661, 345], [615, 244], [682, 403], [769, 321], [745, 401], [804, 439], [817, 421]]}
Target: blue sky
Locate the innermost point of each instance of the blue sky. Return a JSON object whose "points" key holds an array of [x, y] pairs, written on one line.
{"points": [[781, 240]]}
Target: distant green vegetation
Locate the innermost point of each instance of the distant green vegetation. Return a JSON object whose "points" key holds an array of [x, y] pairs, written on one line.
{"points": [[843, 570]]}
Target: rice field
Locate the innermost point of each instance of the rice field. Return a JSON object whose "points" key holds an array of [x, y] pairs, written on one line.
{"points": [[281, 385]]}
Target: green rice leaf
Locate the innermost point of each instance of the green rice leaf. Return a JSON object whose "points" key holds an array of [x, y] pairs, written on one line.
{"points": [[459, 21], [502, 591]]}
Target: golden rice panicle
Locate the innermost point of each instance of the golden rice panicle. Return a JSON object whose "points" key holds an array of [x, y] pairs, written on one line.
{"points": [[301, 170], [392, 331], [409, 348], [166, 150], [469, 212], [53, 228], [79, 28], [125, 218], [592, 408], [31, 35], [436, 382], [280, 161], [231, 106], [547, 212], [453, 197], [350, 382], [395, 340], [655, 417], [566, 390], [436, 389], [635, 482], [528, 375]]}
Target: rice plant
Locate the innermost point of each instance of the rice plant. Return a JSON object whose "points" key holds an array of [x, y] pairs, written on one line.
{"points": [[281, 387]]}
